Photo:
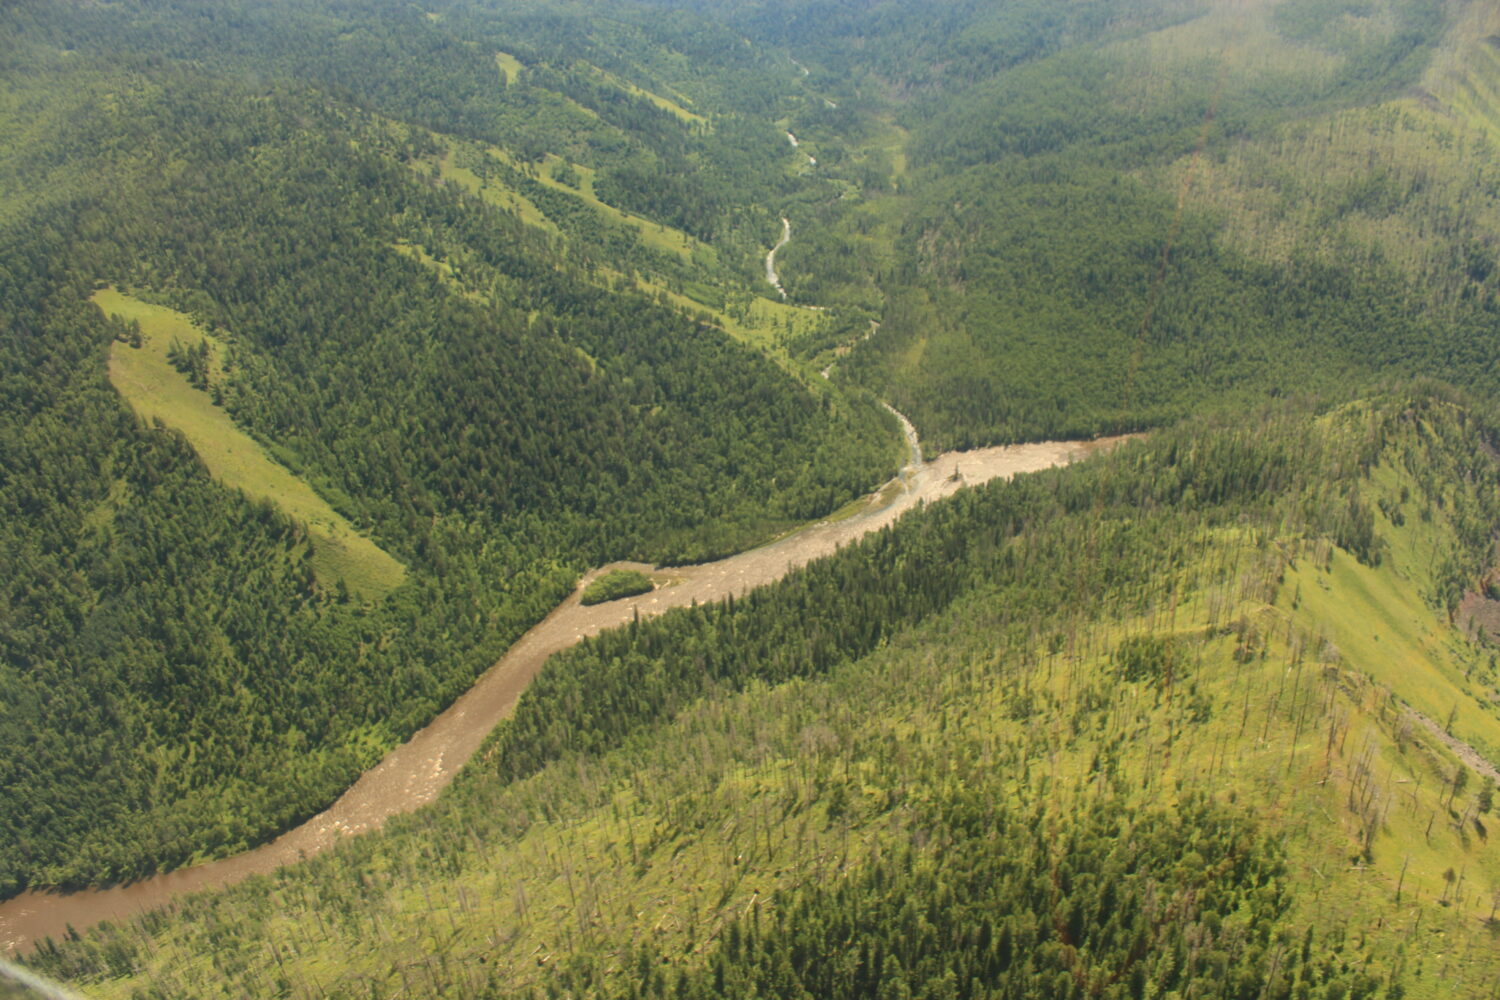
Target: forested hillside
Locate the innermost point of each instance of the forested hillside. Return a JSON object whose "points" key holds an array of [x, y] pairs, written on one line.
{"points": [[496, 404], [338, 342], [1157, 722], [1102, 217]]}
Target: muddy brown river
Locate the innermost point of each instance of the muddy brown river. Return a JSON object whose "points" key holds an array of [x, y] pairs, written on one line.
{"points": [[414, 773]]}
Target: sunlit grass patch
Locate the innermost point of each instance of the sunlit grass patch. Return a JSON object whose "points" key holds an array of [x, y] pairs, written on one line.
{"points": [[493, 192], [156, 390], [510, 66], [665, 103]]}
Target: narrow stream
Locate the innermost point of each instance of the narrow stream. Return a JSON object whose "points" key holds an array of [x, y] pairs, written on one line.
{"points": [[771, 276]]}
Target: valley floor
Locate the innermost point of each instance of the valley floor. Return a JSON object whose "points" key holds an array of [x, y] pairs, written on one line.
{"points": [[414, 773]]}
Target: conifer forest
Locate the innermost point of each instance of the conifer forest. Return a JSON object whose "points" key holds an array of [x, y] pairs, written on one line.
{"points": [[676, 499]]}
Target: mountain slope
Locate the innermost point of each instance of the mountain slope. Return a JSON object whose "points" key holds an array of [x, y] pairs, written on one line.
{"points": [[1111, 222], [1134, 726], [1203, 717], [180, 675]]}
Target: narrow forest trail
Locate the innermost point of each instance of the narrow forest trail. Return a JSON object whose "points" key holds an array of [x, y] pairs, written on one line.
{"points": [[1475, 760], [414, 773]]}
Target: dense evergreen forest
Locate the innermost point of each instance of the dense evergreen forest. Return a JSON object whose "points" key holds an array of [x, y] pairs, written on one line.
{"points": [[1089, 733], [461, 385], [1209, 715], [1103, 217]]}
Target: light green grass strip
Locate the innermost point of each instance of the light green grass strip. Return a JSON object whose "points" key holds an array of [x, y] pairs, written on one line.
{"points": [[665, 103], [509, 65], [155, 389], [653, 234], [494, 192]]}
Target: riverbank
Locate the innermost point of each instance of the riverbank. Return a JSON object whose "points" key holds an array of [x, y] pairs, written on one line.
{"points": [[416, 772]]}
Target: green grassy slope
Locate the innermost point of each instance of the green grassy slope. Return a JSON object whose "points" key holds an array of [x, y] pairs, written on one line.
{"points": [[497, 302], [1132, 727], [772, 327], [1408, 181], [155, 389]]}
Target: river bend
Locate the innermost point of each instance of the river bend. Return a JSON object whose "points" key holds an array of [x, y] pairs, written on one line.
{"points": [[414, 773]]}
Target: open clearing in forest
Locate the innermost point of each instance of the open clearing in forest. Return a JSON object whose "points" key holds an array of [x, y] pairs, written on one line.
{"points": [[494, 192], [653, 234], [759, 322], [666, 104], [509, 65], [158, 391]]}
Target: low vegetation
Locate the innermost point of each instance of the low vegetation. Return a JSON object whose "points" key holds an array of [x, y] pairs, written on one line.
{"points": [[616, 584], [142, 368]]}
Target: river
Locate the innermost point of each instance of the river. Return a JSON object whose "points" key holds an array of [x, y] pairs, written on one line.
{"points": [[771, 275], [413, 774]]}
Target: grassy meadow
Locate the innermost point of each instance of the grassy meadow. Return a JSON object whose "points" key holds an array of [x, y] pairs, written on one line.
{"points": [[156, 390], [771, 326], [667, 104]]}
